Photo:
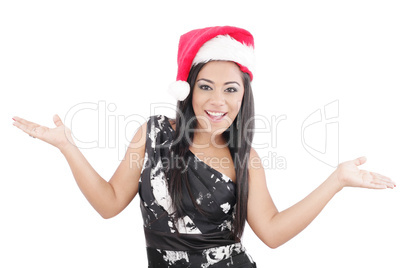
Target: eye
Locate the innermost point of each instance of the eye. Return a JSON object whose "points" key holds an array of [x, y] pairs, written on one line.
{"points": [[205, 87], [231, 89]]}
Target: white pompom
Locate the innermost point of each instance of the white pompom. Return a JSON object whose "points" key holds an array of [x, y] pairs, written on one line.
{"points": [[179, 90]]}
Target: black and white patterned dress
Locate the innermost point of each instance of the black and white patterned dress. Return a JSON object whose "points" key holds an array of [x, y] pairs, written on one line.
{"points": [[194, 240]]}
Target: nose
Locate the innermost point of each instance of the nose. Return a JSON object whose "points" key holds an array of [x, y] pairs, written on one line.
{"points": [[218, 98]]}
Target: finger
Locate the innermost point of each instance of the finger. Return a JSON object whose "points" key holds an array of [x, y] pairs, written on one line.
{"points": [[378, 181], [57, 121], [27, 123], [373, 185], [360, 161], [26, 126], [385, 178]]}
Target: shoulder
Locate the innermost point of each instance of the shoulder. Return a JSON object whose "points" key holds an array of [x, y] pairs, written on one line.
{"points": [[151, 129], [255, 164], [140, 135], [160, 121], [254, 157]]}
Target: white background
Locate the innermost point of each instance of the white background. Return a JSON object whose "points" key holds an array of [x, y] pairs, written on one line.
{"points": [[58, 54]]}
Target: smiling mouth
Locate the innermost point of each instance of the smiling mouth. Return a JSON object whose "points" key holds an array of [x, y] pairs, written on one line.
{"points": [[215, 115]]}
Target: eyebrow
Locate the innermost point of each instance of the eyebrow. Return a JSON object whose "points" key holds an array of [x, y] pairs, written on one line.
{"points": [[209, 81]]}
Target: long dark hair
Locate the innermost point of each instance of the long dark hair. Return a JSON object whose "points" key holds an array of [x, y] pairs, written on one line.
{"points": [[238, 136]]}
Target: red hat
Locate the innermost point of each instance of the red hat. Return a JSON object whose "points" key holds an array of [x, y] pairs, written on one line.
{"points": [[225, 43]]}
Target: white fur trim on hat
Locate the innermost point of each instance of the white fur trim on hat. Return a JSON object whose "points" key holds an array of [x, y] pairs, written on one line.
{"points": [[224, 47], [179, 90]]}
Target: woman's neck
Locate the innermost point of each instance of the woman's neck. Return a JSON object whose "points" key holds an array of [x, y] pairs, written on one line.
{"points": [[207, 140]]}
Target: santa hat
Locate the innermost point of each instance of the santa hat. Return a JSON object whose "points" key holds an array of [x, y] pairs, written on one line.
{"points": [[225, 43]]}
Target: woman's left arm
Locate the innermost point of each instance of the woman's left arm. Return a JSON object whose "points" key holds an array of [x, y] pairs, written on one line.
{"points": [[276, 228]]}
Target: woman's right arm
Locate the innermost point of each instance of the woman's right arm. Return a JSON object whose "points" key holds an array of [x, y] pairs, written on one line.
{"points": [[107, 198]]}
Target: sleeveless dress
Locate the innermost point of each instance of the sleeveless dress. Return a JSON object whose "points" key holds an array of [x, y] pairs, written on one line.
{"points": [[194, 240]]}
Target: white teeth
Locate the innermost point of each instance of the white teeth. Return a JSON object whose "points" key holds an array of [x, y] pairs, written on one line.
{"points": [[215, 114]]}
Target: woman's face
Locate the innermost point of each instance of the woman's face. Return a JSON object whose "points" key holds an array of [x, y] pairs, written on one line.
{"points": [[217, 96]]}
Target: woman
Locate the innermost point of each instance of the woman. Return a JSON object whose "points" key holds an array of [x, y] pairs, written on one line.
{"points": [[198, 177]]}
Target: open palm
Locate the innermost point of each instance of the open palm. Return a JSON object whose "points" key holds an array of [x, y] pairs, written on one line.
{"points": [[350, 175], [59, 136]]}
